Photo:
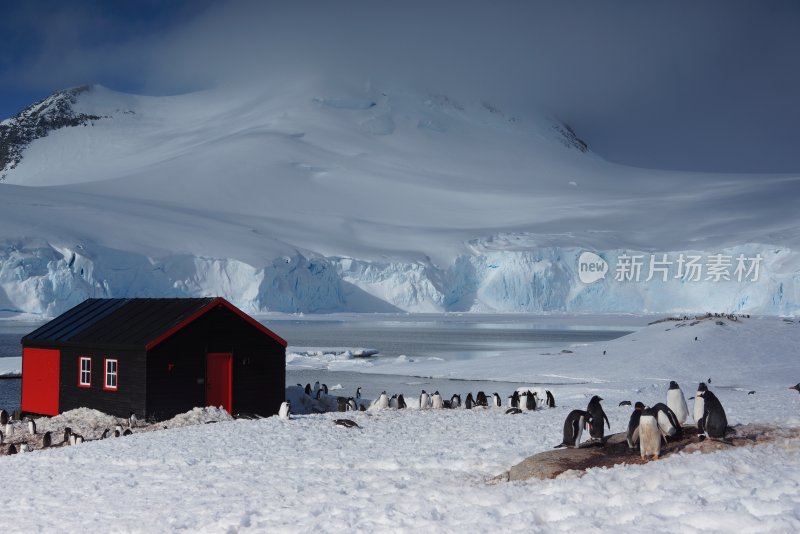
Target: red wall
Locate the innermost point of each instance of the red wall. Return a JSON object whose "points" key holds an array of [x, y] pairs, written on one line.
{"points": [[40, 385]]}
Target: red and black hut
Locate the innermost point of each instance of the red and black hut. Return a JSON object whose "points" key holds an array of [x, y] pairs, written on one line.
{"points": [[153, 357]]}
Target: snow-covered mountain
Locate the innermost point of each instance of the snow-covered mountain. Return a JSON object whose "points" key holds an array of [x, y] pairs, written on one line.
{"points": [[305, 196]]}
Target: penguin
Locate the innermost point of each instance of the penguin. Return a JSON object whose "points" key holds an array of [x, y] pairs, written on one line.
{"points": [[358, 392], [316, 388], [551, 400], [795, 387], [596, 431], [127, 432], [423, 400], [515, 399], [1, 437], [481, 400], [677, 402], [393, 402], [513, 411], [626, 403], [351, 405], [649, 435], [116, 433], [285, 410], [496, 400], [470, 402], [67, 436], [9, 429], [455, 401], [401, 402], [31, 427], [47, 440], [381, 403], [3, 418], [325, 388], [667, 421], [12, 449], [347, 423], [24, 448], [573, 428], [715, 423], [119, 428], [308, 389], [436, 401], [633, 426], [523, 400], [104, 435], [699, 407], [318, 395], [530, 401], [132, 420]]}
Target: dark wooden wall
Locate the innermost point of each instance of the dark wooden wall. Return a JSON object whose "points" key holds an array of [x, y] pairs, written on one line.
{"points": [[130, 394], [259, 366]]}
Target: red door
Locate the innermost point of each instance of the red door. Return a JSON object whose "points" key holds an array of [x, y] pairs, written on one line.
{"points": [[40, 380], [219, 380]]}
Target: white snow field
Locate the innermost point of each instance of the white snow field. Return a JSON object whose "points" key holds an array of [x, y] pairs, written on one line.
{"points": [[403, 471], [314, 196]]}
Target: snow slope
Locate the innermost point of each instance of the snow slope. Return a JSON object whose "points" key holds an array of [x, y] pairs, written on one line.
{"points": [[420, 469], [310, 196]]}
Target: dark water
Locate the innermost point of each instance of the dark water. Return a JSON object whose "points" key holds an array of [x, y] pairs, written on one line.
{"points": [[447, 337]]}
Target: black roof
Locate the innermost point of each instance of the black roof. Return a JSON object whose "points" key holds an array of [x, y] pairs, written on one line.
{"points": [[135, 322]]}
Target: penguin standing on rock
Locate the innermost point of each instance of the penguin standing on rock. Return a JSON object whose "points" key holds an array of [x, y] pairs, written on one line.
{"points": [[3, 418], [677, 402], [649, 435], [667, 421], [358, 392], [633, 426], [715, 423], [132, 422], [596, 430], [574, 424], [31, 427], [699, 406], [47, 440]]}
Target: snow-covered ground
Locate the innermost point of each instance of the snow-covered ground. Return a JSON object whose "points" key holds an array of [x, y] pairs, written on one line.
{"points": [[410, 470]]}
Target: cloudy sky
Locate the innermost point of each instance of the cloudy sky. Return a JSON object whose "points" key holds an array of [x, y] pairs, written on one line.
{"points": [[684, 85]]}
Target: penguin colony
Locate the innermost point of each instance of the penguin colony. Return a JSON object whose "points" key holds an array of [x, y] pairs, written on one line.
{"points": [[651, 426], [524, 399], [21, 435]]}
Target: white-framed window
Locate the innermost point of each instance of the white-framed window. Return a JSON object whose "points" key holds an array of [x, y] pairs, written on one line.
{"points": [[84, 372], [111, 375]]}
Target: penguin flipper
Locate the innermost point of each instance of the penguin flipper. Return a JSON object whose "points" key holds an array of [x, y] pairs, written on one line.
{"points": [[606, 418], [560, 446]]}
